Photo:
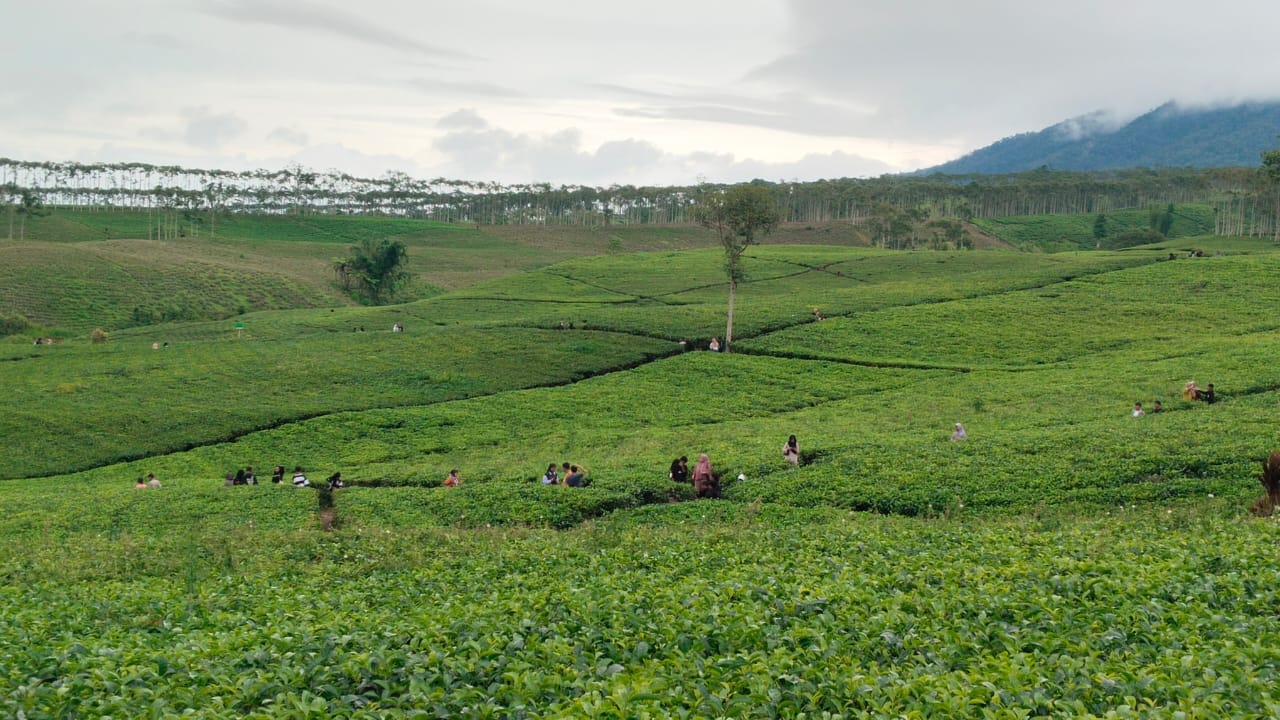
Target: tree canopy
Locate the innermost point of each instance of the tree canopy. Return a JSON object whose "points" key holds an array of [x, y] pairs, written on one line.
{"points": [[374, 269]]}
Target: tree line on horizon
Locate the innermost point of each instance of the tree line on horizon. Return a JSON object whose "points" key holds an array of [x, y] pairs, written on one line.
{"points": [[1246, 201]]}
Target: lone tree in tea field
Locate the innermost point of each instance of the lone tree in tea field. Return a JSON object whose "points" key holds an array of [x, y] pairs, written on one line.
{"points": [[375, 269], [739, 215], [1269, 173]]}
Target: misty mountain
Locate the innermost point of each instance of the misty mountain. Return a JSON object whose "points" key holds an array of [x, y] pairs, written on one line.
{"points": [[1168, 136]]}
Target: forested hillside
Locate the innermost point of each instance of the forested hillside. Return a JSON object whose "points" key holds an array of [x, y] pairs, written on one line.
{"points": [[1168, 136]]}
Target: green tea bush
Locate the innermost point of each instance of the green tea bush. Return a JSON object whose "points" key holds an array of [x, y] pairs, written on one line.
{"points": [[13, 323]]}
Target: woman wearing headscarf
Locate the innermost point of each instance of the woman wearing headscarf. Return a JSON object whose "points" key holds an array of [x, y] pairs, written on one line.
{"points": [[791, 451], [704, 480], [959, 434]]}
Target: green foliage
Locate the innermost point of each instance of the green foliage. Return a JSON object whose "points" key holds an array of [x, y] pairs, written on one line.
{"points": [[1066, 559], [1133, 238], [738, 215], [1168, 136], [13, 323], [375, 269], [1270, 169], [1057, 233], [699, 609]]}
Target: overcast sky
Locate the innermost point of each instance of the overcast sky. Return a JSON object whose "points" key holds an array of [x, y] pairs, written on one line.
{"points": [[597, 93]]}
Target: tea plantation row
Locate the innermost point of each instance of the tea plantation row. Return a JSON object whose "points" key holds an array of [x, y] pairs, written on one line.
{"points": [[694, 610]]}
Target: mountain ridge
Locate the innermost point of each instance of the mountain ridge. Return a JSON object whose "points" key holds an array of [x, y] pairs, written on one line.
{"points": [[1171, 135]]}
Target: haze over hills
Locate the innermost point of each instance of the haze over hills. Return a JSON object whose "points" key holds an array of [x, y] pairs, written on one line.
{"points": [[1168, 136]]}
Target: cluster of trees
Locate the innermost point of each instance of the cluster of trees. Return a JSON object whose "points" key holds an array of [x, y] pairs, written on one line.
{"points": [[374, 270], [173, 191], [20, 202], [898, 228], [899, 210]]}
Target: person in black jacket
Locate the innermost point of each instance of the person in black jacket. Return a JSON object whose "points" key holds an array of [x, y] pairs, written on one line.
{"points": [[680, 470]]}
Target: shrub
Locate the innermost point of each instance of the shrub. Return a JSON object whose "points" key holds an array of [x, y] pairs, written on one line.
{"points": [[1131, 238], [1270, 479], [12, 324]]}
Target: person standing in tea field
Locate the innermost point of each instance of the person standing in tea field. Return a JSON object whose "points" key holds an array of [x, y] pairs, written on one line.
{"points": [[277, 475], [249, 477], [300, 478], [1137, 410], [959, 433], [791, 451], [714, 345], [152, 482], [705, 483], [452, 480], [141, 484]]}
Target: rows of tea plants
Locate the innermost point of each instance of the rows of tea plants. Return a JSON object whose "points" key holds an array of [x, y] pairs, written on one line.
{"points": [[1155, 310], [874, 438], [1074, 232], [71, 407], [213, 381], [693, 610]]}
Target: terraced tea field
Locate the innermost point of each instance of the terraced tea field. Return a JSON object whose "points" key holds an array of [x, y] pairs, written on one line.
{"points": [[1065, 560]]}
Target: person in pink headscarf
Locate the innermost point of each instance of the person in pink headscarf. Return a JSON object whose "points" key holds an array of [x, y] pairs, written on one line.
{"points": [[704, 480]]}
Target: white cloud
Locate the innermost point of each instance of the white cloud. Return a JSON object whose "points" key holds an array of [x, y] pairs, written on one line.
{"points": [[473, 148], [289, 136], [304, 16], [211, 130], [561, 92]]}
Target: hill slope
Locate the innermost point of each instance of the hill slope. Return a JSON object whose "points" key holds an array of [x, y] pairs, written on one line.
{"points": [[1168, 136]]}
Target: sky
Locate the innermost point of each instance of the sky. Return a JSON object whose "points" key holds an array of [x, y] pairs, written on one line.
{"points": [[666, 92]]}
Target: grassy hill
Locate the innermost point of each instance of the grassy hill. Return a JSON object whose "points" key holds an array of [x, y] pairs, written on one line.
{"points": [[1066, 560], [1057, 233], [78, 270]]}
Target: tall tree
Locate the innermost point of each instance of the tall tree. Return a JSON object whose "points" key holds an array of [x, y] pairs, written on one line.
{"points": [[738, 215], [376, 268], [1270, 174], [1100, 227], [30, 206], [8, 192]]}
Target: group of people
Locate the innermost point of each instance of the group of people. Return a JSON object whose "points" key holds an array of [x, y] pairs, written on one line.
{"points": [[1139, 411], [1190, 392], [568, 475], [246, 476], [706, 482], [148, 482]]}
